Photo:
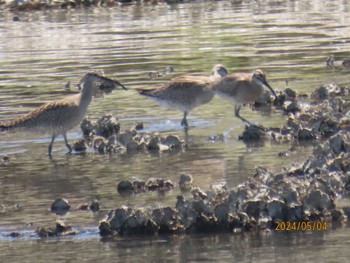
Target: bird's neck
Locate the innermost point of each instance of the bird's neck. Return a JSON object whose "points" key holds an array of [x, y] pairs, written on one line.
{"points": [[86, 94]]}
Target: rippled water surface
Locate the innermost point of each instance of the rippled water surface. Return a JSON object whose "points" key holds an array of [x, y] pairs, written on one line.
{"points": [[289, 40]]}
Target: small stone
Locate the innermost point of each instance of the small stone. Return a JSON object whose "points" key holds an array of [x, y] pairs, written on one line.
{"points": [[291, 106], [83, 207], [61, 227], [87, 127], [125, 187], [306, 134], [15, 234], [321, 93], [80, 146], [60, 206], [173, 142], [153, 143], [5, 160], [185, 182], [139, 126], [105, 229], [290, 93], [198, 193], [94, 205], [154, 74], [252, 133]]}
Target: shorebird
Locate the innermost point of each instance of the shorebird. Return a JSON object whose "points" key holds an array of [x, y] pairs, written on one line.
{"points": [[186, 92], [242, 88], [57, 117]]}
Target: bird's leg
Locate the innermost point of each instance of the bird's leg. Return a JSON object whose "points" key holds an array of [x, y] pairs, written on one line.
{"points": [[250, 125], [50, 145], [237, 109], [184, 120], [66, 142]]}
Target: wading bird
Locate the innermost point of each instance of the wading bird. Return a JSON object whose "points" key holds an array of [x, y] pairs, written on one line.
{"points": [[242, 88], [57, 117], [186, 92]]}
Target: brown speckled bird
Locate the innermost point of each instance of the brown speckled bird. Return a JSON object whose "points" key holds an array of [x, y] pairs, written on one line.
{"points": [[57, 117], [242, 88], [186, 92]]}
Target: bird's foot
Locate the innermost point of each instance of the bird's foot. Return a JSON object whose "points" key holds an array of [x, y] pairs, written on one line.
{"points": [[250, 125]]}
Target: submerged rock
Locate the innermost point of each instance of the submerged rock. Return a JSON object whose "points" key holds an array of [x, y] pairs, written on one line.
{"points": [[152, 184], [252, 133], [185, 182], [80, 146], [60, 230], [104, 136], [60, 206]]}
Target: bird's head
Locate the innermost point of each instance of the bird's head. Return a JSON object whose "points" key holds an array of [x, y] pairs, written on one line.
{"points": [[104, 84], [219, 71], [260, 78]]}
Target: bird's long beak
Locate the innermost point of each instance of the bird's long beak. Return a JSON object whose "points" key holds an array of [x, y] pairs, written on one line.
{"points": [[117, 83], [269, 87], [107, 85]]}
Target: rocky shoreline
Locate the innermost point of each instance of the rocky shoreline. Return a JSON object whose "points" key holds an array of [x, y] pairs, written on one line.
{"points": [[303, 196]]}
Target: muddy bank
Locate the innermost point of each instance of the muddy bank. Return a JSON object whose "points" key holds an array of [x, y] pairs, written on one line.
{"points": [[25, 5], [303, 195]]}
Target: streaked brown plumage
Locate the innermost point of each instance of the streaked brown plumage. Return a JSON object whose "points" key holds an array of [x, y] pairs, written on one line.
{"points": [[242, 88], [186, 92], [59, 116]]}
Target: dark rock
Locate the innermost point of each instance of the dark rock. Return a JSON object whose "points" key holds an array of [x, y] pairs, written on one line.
{"points": [[80, 146], [125, 187], [277, 210], [321, 93], [173, 142], [60, 206], [290, 93], [306, 134], [252, 133], [15, 234], [94, 205], [107, 126], [139, 126], [185, 182], [291, 107]]}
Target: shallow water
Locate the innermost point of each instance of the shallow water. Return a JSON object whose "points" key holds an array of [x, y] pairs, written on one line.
{"points": [[290, 40]]}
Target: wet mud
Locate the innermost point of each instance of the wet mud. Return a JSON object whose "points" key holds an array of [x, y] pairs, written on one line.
{"points": [[301, 192], [304, 192]]}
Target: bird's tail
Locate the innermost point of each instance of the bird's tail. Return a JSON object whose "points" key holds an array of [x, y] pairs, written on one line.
{"points": [[5, 126], [9, 125]]}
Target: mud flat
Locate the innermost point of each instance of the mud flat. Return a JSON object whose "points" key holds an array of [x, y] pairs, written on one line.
{"points": [[303, 196]]}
